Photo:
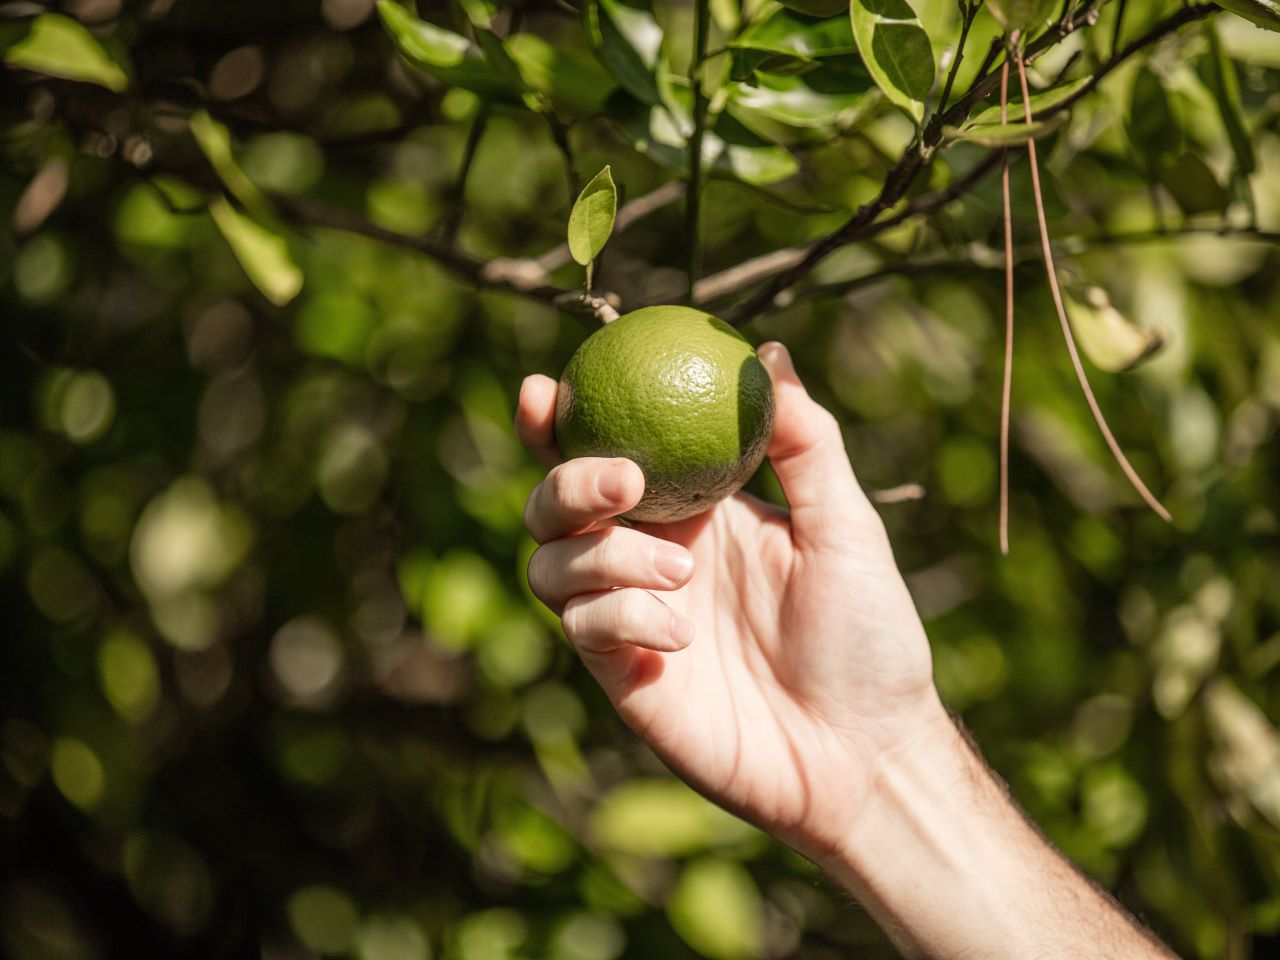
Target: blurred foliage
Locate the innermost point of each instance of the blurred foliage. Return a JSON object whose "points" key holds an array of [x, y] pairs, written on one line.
{"points": [[272, 682]]}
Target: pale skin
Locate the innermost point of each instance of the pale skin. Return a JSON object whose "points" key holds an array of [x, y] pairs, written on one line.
{"points": [[775, 660]]}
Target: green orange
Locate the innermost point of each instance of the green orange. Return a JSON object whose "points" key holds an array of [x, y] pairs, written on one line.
{"points": [[678, 391]]}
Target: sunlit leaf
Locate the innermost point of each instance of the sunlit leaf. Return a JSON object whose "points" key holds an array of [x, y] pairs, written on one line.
{"points": [[896, 50], [817, 8], [729, 149], [662, 818], [717, 909], [628, 41], [796, 100], [1026, 16], [1265, 13], [1003, 135], [261, 250], [214, 140], [566, 78], [1108, 338], [58, 46], [785, 34], [1220, 76], [1040, 102], [591, 220], [445, 55]]}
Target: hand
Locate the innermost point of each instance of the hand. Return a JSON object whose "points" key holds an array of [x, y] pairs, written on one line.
{"points": [[769, 658]]}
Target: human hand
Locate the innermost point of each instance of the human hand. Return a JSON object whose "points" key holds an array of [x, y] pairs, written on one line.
{"points": [[770, 658]]}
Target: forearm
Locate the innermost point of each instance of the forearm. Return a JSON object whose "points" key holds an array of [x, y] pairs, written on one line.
{"points": [[947, 864]]}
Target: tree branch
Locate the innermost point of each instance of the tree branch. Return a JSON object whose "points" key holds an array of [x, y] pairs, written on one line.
{"points": [[920, 153], [980, 257], [732, 279], [523, 277]]}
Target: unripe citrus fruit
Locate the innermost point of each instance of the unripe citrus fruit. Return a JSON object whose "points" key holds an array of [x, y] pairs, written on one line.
{"points": [[678, 391]]}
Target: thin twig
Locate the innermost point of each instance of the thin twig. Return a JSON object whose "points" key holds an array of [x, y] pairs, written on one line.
{"points": [[920, 153], [1119, 25], [970, 11], [523, 277], [1127, 468], [560, 134], [453, 219], [693, 199], [750, 272], [982, 258], [1006, 386]]}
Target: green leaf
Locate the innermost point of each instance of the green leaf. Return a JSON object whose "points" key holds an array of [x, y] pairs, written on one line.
{"points": [[728, 149], [896, 50], [1153, 127], [568, 79], [1188, 178], [627, 40], [261, 250], [58, 46], [214, 141], [1025, 16], [445, 55], [591, 220], [717, 909], [783, 33], [661, 817], [797, 100], [1265, 13], [817, 8], [1040, 102], [1007, 134], [1108, 338], [1220, 76]]}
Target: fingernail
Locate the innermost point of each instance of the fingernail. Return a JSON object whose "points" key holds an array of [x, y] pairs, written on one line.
{"points": [[681, 630], [673, 562], [775, 357]]}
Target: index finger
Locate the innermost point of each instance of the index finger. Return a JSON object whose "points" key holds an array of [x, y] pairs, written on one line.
{"points": [[580, 495], [535, 418]]}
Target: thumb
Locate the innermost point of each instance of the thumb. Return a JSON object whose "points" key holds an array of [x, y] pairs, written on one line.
{"points": [[807, 452]]}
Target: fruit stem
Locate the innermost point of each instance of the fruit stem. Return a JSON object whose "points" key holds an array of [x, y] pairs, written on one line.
{"points": [[1127, 468]]}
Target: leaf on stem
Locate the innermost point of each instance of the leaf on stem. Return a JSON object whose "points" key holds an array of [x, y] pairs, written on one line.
{"points": [[1040, 102], [447, 56], [1220, 76], [214, 141], [1004, 134], [627, 39], [58, 46], [591, 220], [1265, 13], [263, 252], [897, 52], [1025, 16], [1108, 338]]}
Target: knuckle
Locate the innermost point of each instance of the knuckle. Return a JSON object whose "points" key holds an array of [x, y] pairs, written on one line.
{"points": [[626, 614]]}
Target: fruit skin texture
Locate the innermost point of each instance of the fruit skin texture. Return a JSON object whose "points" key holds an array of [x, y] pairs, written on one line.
{"points": [[679, 392]]}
